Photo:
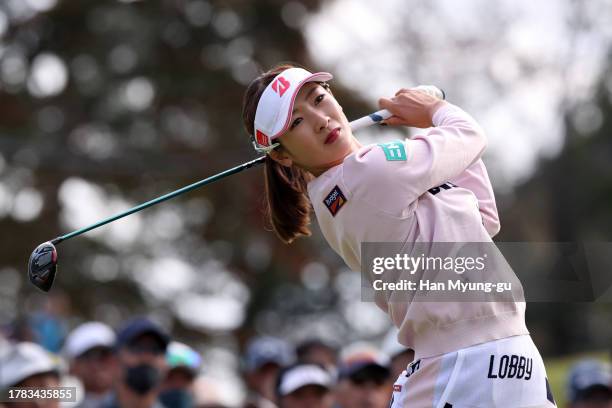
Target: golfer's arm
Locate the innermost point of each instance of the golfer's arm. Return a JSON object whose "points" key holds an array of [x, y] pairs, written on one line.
{"points": [[476, 179], [445, 151]]}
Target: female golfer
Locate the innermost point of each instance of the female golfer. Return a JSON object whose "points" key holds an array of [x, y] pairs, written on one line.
{"points": [[431, 188]]}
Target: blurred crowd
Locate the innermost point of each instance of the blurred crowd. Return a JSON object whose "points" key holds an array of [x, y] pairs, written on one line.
{"points": [[141, 366]]}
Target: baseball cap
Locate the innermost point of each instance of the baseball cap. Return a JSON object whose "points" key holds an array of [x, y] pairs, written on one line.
{"points": [[87, 336], [293, 378], [180, 355], [362, 356], [139, 326], [266, 349], [586, 376], [275, 105], [23, 360]]}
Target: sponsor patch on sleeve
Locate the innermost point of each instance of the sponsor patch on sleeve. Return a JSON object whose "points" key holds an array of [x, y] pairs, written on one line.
{"points": [[394, 151], [334, 201]]}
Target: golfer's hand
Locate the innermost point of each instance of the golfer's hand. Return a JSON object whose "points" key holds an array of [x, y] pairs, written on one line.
{"points": [[411, 107]]}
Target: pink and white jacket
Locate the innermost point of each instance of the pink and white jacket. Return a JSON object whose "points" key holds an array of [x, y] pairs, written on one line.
{"points": [[402, 195]]}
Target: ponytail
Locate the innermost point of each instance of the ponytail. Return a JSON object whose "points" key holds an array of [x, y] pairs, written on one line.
{"points": [[288, 206]]}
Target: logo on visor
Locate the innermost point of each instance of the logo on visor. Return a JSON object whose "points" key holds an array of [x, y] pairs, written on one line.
{"points": [[262, 139], [280, 86]]}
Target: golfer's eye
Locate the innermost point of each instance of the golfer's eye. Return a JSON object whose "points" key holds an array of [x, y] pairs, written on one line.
{"points": [[319, 99], [296, 122]]}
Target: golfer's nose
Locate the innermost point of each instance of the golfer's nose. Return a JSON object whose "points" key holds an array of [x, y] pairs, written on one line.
{"points": [[321, 121]]}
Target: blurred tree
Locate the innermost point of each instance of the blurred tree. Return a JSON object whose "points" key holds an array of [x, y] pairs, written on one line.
{"points": [[568, 200], [108, 104]]}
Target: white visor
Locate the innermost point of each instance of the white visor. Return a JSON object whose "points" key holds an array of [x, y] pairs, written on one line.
{"points": [[275, 106], [303, 375], [87, 336]]}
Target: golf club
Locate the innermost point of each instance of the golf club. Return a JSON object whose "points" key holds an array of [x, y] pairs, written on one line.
{"points": [[42, 266]]}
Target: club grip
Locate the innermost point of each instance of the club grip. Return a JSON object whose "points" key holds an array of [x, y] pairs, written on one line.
{"points": [[379, 116]]}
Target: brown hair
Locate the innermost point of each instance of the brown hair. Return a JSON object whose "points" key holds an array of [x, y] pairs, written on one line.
{"points": [[287, 205]]}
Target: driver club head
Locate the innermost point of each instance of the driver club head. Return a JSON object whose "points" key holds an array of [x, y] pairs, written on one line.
{"points": [[43, 266]]}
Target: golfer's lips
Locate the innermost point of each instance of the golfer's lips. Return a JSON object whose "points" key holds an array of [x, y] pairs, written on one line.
{"points": [[332, 136]]}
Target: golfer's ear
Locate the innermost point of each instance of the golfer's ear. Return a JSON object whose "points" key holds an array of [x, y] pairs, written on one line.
{"points": [[280, 156]]}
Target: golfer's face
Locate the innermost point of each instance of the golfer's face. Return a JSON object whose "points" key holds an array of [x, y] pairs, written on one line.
{"points": [[319, 136]]}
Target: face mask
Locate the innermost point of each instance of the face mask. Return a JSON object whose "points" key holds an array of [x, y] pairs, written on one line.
{"points": [[176, 399], [142, 378]]}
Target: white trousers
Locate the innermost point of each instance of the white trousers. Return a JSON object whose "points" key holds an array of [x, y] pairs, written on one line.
{"points": [[505, 373]]}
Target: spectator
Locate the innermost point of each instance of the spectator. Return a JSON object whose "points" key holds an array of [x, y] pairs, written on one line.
{"points": [[315, 351], [364, 378], [89, 350], [400, 356], [20, 330], [49, 325], [183, 367], [28, 365], [589, 385], [305, 386], [141, 348], [263, 359], [208, 393]]}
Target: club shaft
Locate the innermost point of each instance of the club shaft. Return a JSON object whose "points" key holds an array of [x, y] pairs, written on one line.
{"points": [[163, 198], [365, 121]]}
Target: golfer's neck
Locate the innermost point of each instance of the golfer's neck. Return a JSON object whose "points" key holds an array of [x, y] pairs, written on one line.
{"points": [[317, 171]]}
